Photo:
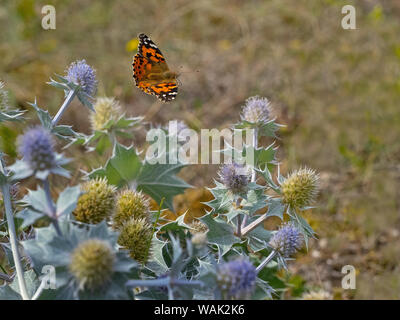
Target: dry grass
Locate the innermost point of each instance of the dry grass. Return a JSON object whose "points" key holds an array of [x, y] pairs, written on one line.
{"points": [[338, 92]]}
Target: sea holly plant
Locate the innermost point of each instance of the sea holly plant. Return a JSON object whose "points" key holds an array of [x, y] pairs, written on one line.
{"points": [[100, 236]]}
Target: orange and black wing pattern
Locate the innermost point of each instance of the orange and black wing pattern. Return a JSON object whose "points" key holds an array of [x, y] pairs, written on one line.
{"points": [[151, 72]]}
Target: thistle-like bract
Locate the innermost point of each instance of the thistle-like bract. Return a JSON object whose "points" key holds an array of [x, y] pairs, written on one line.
{"points": [[287, 240], [136, 237], [106, 109], [300, 188], [235, 177], [236, 279], [80, 73], [36, 146], [97, 203], [256, 110], [130, 204], [3, 97], [92, 264]]}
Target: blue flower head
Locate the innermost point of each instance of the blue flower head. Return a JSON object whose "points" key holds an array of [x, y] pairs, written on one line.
{"points": [[80, 73], [256, 110], [36, 147], [237, 278], [235, 177], [287, 240]]}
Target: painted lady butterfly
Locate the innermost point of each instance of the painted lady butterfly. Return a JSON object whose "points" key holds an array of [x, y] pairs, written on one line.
{"points": [[151, 72]]}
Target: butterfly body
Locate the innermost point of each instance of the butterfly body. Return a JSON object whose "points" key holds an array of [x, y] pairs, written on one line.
{"points": [[151, 72]]}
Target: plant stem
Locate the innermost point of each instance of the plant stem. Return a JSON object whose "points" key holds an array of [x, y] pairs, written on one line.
{"points": [[253, 173], [39, 290], [67, 101], [5, 188], [52, 210], [239, 219], [266, 261], [255, 145], [254, 224]]}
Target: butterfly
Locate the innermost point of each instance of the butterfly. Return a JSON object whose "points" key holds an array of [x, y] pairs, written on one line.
{"points": [[151, 72]]}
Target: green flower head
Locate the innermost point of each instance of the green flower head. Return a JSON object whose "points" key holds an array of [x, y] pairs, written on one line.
{"points": [[92, 264], [106, 109], [135, 236], [300, 188], [130, 204], [97, 203]]}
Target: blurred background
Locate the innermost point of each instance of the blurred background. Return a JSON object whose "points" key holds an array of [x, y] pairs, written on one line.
{"points": [[337, 91]]}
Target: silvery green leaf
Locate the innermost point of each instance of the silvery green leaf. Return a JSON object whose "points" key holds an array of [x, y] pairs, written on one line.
{"points": [[157, 257], [121, 168], [11, 115], [43, 115], [29, 217], [264, 129], [222, 198], [268, 178], [258, 238], [263, 290], [31, 281], [256, 200], [176, 225], [85, 99], [160, 181], [67, 200], [275, 208], [220, 233], [59, 85], [65, 132], [37, 200], [20, 170], [7, 293]]}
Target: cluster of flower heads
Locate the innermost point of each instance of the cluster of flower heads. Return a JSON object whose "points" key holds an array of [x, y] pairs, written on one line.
{"points": [[80, 73], [130, 204], [300, 188], [92, 264], [37, 148], [256, 110], [106, 109], [236, 279], [287, 240], [132, 220], [235, 177]]}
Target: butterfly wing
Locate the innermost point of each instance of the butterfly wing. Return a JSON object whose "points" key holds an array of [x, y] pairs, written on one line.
{"points": [[151, 72]]}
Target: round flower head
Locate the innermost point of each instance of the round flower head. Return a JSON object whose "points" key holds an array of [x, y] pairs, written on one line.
{"points": [[106, 109], [236, 279], [256, 110], [130, 204], [3, 97], [80, 73], [287, 240], [300, 188], [36, 147], [136, 237], [92, 264], [97, 203], [197, 227], [235, 177]]}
